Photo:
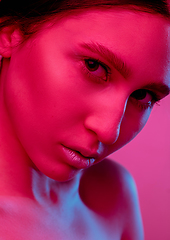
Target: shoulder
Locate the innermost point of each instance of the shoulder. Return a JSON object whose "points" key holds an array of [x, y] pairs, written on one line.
{"points": [[108, 183], [108, 189]]}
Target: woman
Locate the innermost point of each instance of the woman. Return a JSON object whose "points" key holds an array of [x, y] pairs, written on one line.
{"points": [[78, 81]]}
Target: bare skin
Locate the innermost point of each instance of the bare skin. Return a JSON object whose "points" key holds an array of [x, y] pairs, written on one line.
{"points": [[60, 117], [100, 203]]}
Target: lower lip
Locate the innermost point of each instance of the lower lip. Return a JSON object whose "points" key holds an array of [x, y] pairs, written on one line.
{"points": [[76, 160]]}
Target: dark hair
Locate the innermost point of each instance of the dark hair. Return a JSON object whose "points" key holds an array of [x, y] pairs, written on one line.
{"points": [[27, 13]]}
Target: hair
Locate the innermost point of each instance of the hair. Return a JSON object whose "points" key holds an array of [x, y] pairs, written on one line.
{"points": [[28, 13]]}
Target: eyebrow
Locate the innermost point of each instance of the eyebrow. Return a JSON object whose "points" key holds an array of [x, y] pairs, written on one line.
{"points": [[121, 66], [110, 56]]}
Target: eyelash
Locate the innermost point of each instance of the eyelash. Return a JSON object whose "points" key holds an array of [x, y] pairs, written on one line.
{"points": [[141, 106], [91, 75]]}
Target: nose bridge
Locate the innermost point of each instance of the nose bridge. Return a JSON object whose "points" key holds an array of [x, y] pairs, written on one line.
{"points": [[105, 121]]}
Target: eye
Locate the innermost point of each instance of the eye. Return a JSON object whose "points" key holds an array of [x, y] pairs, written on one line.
{"points": [[96, 69], [144, 98]]}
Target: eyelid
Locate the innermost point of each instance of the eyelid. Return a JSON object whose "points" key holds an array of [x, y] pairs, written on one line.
{"points": [[144, 106], [82, 57], [155, 96], [105, 66], [91, 74]]}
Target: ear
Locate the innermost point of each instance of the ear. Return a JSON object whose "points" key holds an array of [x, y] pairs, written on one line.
{"points": [[9, 38]]}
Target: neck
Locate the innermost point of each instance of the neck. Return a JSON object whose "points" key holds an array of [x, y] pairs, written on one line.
{"points": [[47, 190]]}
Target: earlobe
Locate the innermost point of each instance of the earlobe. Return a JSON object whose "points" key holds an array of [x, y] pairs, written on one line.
{"points": [[9, 38]]}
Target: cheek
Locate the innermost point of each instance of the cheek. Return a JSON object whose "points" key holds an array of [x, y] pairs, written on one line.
{"points": [[41, 105], [132, 123]]}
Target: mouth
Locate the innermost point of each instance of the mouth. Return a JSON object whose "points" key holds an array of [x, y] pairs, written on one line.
{"points": [[76, 159]]}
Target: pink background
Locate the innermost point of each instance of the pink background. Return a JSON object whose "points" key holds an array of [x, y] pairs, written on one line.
{"points": [[147, 157]]}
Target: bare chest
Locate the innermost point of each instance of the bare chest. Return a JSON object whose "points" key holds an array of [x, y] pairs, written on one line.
{"points": [[31, 222]]}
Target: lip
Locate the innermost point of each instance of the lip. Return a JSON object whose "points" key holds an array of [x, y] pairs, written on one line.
{"points": [[76, 159]]}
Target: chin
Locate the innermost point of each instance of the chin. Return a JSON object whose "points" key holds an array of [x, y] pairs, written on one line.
{"points": [[65, 174]]}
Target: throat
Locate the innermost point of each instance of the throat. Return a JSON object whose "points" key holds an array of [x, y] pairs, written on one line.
{"points": [[49, 192]]}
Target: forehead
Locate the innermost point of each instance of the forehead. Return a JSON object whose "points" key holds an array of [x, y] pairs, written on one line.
{"points": [[141, 39]]}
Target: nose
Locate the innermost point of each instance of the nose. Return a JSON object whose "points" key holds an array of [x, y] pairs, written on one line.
{"points": [[105, 121]]}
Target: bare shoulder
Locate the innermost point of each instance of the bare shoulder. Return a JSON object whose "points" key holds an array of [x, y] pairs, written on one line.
{"points": [[106, 185], [108, 189]]}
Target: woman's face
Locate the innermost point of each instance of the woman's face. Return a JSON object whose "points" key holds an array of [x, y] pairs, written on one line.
{"points": [[85, 86]]}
